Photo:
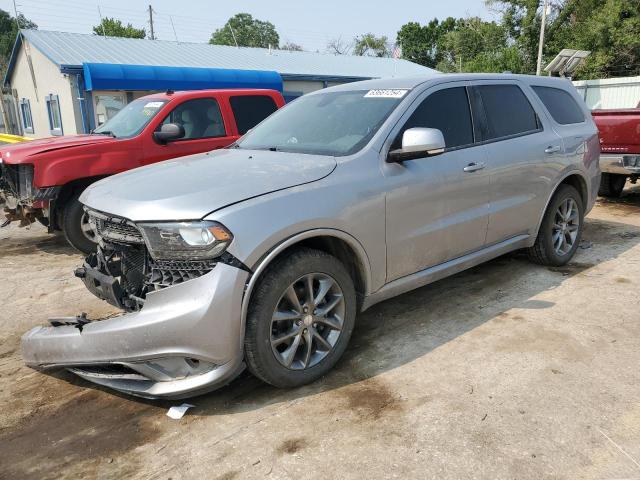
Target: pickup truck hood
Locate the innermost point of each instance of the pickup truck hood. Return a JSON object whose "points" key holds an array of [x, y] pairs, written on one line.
{"points": [[23, 152], [189, 188]]}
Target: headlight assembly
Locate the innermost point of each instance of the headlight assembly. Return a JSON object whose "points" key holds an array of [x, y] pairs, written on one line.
{"points": [[198, 240]]}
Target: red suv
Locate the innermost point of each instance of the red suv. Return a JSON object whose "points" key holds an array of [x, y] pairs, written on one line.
{"points": [[42, 179]]}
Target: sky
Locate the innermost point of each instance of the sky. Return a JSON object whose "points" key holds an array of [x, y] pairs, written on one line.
{"points": [[310, 24]]}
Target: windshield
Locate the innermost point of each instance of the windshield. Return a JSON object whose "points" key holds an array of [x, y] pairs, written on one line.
{"points": [[331, 123], [130, 121]]}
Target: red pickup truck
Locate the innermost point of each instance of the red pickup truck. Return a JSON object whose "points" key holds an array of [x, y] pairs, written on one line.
{"points": [[41, 180], [619, 132]]}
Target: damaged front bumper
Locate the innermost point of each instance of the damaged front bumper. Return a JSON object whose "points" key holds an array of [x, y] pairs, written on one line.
{"points": [[186, 340]]}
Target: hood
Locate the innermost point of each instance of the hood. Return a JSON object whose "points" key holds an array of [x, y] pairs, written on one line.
{"points": [[22, 152], [189, 188]]}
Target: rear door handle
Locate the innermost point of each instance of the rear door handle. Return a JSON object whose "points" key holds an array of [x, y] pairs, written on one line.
{"points": [[552, 149], [473, 167]]}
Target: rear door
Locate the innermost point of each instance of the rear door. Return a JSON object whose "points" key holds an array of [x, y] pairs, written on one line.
{"points": [[204, 128], [437, 207], [250, 110], [522, 149]]}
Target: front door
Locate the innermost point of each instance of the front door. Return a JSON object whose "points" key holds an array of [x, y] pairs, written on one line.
{"points": [[437, 207], [204, 130]]}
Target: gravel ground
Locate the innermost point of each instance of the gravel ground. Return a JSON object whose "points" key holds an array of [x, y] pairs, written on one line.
{"points": [[508, 370]]}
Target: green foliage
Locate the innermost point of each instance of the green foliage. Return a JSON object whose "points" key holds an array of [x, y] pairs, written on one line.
{"points": [[370, 45], [292, 47], [248, 32], [610, 29], [8, 34], [422, 44], [112, 27]]}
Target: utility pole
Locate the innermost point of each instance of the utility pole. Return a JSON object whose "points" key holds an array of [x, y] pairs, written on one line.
{"points": [[541, 41], [153, 37], [15, 11]]}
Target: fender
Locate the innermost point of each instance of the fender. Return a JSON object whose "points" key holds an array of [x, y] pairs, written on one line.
{"points": [[553, 191], [274, 252]]}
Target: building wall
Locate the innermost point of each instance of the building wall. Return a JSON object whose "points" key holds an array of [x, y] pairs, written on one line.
{"points": [[49, 80], [301, 86], [623, 92]]}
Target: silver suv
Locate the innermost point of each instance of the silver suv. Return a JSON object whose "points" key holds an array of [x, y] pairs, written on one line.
{"points": [[262, 254]]}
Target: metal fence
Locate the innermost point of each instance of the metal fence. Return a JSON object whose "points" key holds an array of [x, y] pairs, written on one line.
{"points": [[623, 92]]}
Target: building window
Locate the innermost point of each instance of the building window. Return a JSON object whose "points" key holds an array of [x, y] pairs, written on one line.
{"points": [[27, 119], [53, 110], [107, 105]]}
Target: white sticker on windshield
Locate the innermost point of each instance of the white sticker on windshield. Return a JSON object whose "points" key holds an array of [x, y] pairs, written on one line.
{"points": [[386, 93], [153, 105]]}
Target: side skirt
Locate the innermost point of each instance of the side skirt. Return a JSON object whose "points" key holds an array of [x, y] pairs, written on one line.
{"points": [[446, 269]]}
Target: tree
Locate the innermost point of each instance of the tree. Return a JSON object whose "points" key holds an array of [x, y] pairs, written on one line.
{"points": [[8, 34], [112, 27], [338, 47], [292, 47], [245, 31], [372, 46], [422, 44]]}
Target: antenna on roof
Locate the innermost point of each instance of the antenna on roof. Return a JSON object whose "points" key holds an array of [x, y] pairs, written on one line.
{"points": [[170, 91], [101, 21]]}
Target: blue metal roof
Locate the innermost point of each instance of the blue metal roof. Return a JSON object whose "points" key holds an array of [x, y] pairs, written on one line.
{"points": [[72, 50], [109, 76]]}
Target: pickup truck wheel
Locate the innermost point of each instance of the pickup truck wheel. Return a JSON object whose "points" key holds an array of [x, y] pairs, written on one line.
{"points": [[611, 185], [75, 226], [300, 318], [561, 229]]}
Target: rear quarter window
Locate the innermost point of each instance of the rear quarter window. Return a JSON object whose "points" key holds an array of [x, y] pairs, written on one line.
{"points": [[507, 110], [250, 110], [561, 105]]}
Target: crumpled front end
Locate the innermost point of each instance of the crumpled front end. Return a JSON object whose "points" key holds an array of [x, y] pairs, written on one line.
{"points": [[180, 334]]}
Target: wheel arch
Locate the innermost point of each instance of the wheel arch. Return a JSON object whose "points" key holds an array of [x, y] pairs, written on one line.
{"points": [[67, 191], [335, 242], [574, 178]]}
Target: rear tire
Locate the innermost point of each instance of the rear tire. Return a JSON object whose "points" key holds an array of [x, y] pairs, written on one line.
{"points": [[611, 185], [289, 341], [560, 232], [75, 227]]}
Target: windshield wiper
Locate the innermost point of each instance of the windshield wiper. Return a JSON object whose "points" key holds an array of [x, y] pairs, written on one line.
{"points": [[104, 132]]}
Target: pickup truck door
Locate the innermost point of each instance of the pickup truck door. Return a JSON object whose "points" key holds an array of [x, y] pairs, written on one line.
{"points": [[205, 130], [437, 207]]}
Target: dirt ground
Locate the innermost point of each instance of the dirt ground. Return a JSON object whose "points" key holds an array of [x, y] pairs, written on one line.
{"points": [[509, 370]]}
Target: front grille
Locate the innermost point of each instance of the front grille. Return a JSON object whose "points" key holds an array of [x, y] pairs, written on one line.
{"points": [[114, 229], [164, 273]]}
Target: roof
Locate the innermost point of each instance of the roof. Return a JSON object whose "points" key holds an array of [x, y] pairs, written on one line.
{"points": [[72, 50]]}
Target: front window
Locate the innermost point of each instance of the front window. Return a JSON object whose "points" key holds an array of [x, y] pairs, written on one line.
{"points": [[330, 123], [130, 121]]}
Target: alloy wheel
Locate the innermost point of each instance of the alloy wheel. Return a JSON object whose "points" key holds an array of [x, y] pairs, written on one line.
{"points": [[86, 228], [566, 224], [307, 321]]}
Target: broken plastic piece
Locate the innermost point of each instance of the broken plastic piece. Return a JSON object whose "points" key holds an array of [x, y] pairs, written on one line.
{"points": [[78, 321], [178, 412]]}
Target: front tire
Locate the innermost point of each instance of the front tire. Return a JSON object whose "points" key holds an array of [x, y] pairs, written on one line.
{"points": [[561, 229], [611, 185], [76, 226], [300, 318]]}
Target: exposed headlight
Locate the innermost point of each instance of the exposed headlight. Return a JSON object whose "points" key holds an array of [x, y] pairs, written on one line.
{"points": [[186, 240]]}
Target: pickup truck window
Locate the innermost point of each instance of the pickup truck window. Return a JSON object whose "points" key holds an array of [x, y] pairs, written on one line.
{"points": [[130, 121], [448, 111], [200, 117], [250, 110], [327, 123], [562, 107], [507, 110]]}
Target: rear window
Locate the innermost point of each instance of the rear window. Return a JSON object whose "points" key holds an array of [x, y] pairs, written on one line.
{"points": [[508, 111], [250, 110], [561, 105]]}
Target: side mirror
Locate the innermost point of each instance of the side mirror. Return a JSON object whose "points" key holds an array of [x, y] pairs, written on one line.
{"points": [[418, 143], [168, 133]]}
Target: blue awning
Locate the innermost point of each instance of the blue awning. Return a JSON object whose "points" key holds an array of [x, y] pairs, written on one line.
{"points": [[112, 76]]}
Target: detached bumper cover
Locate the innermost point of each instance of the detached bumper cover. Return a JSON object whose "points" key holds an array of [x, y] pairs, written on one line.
{"points": [[185, 340], [620, 164]]}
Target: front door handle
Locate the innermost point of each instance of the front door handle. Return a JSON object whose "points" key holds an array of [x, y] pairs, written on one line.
{"points": [[552, 149], [473, 167]]}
